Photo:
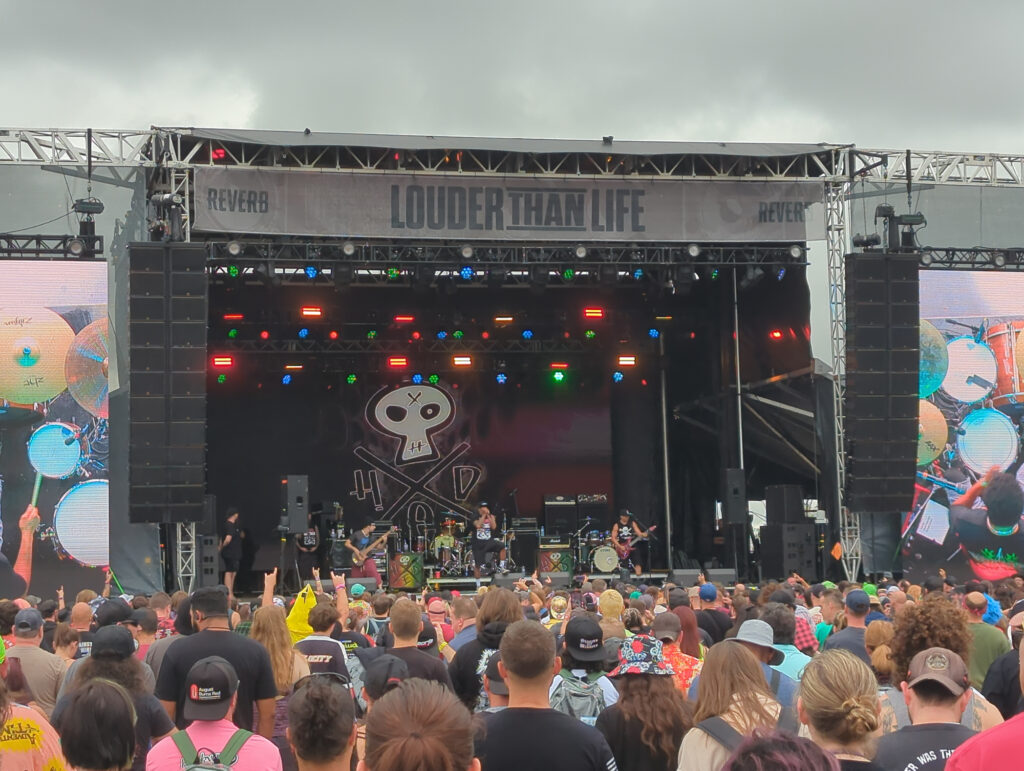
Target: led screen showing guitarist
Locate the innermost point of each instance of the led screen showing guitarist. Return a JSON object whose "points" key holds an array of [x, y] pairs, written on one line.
{"points": [[362, 548], [626, 536]]}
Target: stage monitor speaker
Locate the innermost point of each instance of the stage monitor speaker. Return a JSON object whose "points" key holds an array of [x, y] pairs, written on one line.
{"points": [[560, 515], [167, 321], [784, 504], [523, 550], [788, 548], [684, 578], [559, 579], [506, 581], [370, 584], [208, 563], [882, 381], [295, 502], [722, 576], [734, 496]]}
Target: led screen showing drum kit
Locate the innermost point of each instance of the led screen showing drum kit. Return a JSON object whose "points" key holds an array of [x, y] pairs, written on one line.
{"points": [[55, 346]]}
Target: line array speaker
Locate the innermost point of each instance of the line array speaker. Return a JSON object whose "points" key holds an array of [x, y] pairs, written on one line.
{"points": [[784, 504], [167, 311], [734, 496], [785, 548], [882, 361]]}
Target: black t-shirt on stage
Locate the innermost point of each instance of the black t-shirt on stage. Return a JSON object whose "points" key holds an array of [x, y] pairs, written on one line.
{"points": [[521, 738], [250, 660], [924, 747], [424, 666], [323, 654], [625, 739], [234, 549]]}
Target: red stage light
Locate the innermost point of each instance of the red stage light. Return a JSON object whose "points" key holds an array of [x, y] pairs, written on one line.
{"points": [[234, 316], [559, 365], [333, 334], [404, 319], [398, 156], [264, 335], [293, 367], [223, 362], [312, 311], [485, 335], [398, 362], [218, 154], [416, 335], [627, 361], [775, 334], [462, 361], [643, 382], [593, 313]]}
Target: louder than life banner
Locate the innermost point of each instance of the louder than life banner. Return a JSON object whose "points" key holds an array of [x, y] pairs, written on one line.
{"points": [[971, 407], [54, 433]]}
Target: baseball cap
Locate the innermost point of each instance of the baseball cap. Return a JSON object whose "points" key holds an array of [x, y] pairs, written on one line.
{"points": [[28, 621], [584, 639], [784, 597], [708, 593], [436, 607], [666, 626], [498, 686], [870, 588], [357, 590], [384, 673], [941, 666], [858, 601], [113, 611], [932, 584], [759, 633], [113, 642], [559, 606], [209, 686]]}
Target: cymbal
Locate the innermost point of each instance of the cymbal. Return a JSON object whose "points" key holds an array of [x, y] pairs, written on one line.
{"points": [[33, 345], [934, 360], [86, 369], [932, 433]]}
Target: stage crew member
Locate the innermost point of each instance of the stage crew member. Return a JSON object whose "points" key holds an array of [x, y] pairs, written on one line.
{"points": [[231, 550]]}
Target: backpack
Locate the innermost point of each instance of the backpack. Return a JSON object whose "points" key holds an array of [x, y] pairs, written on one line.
{"points": [[581, 699], [225, 758]]}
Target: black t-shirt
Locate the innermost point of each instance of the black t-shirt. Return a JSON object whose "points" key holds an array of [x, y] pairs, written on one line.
{"points": [[234, 548], [715, 623], [424, 666], [351, 640], [151, 722], [250, 660], [520, 738], [323, 654], [1002, 685], [924, 747], [49, 627], [981, 544], [625, 739], [859, 765], [84, 644], [309, 539]]}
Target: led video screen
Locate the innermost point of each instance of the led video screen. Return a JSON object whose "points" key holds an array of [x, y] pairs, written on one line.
{"points": [[971, 404], [54, 426]]}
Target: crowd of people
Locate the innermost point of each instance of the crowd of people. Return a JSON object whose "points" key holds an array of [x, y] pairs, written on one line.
{"points": [[595, 677]]}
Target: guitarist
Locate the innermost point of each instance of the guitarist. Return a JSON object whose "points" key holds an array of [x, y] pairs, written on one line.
{"points": [[360, 544], [623, 531]]}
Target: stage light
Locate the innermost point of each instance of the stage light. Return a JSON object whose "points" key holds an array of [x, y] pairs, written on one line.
{"points": [[462, 361], [293, 367], [775, 334], [466, 252], [442, 335], [559, 365], [371, 334], [568, 274], [796, 251], [527, 334], [433, 379], [398, 362], [653, 333], [312, 312], [458, 334], [351, 379], [501, 378], [312, 271], [627, 360], [503, 319], [999, 260], [222, 362], [303, 333], [76, 247], [780, 274], [417, 379], [714, 274], [590, 334], [617, 377], [485, 335], [222, 378], [693, 250], [348, 248], [467, 272], [416, 335], [333, 334], [404, 319], [234, 316], [232, 334], [264, 335], [638, 274], [581, 251], [218, 154], [558, 376], [286, 380], [593, 313], [394, 273], [234, 248], [233, 271]]}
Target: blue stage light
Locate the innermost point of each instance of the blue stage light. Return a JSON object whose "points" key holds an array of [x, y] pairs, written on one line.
{"points": [[467, 272], [780, 274], [286, 380], [312, 271], [653, 333], [527, 334], [638, 274], [502, 378], [442, 335], [617, 377], [303, 333], [417, 379]]}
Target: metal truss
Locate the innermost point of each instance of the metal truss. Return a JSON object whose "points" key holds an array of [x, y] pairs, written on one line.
{"points": [[974, 258], [937, 167], [185, 553], [76, 147], [53, 247], [429, 346]]}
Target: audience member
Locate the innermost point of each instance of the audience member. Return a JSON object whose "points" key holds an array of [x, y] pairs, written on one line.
{"points": [[780, 751], [877, 637], [406, 625], [44, 672], [668, 628], [581, 689], [97, 732], [783, 620], [852, 637], [323, 653], [711, 617], [65, 644], [987, 642], [464, 612], [499, 609], [322, 724], [18, 721]]}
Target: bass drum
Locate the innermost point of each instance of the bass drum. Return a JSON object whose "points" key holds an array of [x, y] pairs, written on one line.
{"points": [[81, 523], [987, 438], [606, 559]]}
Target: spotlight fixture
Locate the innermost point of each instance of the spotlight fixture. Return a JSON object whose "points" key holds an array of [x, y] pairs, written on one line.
{"points": [[581, 252], [348, 248], [653, 333], [467, 273], [780, 274], [286, 380], [926, 259], [351, 378], [796, 251], [693, 250], [417, 378], [527, 334], [466, 251], [871, 239], [501, 378], [303, 333], [462, 361], [999, 259], [312, 271], [638, 274], [627, 360], [235, 248], [76, 247]]}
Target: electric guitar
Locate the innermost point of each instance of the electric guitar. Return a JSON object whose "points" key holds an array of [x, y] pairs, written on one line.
{"points": [[360, 557], [625, 549]]}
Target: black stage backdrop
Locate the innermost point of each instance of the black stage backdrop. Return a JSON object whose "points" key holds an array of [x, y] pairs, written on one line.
{"points": [[405, 452]]}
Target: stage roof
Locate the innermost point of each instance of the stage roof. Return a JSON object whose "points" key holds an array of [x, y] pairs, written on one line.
{"points": [[498, 144]]}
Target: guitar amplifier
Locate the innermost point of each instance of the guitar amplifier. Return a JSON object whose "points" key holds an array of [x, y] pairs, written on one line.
{"points": [[595, 506], [523, 550], [560, 514]]}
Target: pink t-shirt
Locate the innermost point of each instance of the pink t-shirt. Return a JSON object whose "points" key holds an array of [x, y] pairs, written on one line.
{"points": [[29, 743], [209, 737]]}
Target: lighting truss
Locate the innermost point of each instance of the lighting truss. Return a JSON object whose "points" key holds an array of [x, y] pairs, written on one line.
{"points": [[48, 247], [379, 346], [974, 258]]}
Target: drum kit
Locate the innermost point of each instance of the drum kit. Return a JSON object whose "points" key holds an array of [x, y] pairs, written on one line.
{"points": [[452, 548], [43, 357]]}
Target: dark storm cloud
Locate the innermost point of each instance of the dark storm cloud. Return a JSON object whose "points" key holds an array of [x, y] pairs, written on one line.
{"points": [[939, 75]]}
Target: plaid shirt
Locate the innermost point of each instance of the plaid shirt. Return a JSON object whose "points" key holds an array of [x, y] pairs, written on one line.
{"points": [[243, 628], [804, 638]]}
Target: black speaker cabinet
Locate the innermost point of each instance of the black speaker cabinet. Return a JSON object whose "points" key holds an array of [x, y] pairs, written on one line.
{"points": [[295, 502], [560, 515], [788, 548], [523, 550], [734, 496], [784, 504]]}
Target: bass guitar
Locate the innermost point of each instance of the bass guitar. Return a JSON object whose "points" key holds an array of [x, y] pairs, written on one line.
{"points": [[625, 549], [360, 557]]}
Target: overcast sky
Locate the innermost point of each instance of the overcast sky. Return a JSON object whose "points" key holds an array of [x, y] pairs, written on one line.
{"points": [[926, 75]]}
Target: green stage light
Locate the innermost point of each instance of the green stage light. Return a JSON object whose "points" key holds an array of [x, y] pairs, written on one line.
{"points": [[232, 334], [558, 376], [222, 378], [457, 334], [590, 334], [568, 274], [394, 273], [350, 379], [434, 379], [371, 335], [233, 271]]}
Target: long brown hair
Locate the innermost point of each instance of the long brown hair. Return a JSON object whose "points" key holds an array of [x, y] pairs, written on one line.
{"points": [[270, 628], [839, 694], [689, 642], [499, 605], [419, 726], [732, 678], [658, 706]]}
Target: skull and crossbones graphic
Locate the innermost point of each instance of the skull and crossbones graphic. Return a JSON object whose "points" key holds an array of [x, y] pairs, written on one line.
{"points": [[412, 414]]}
